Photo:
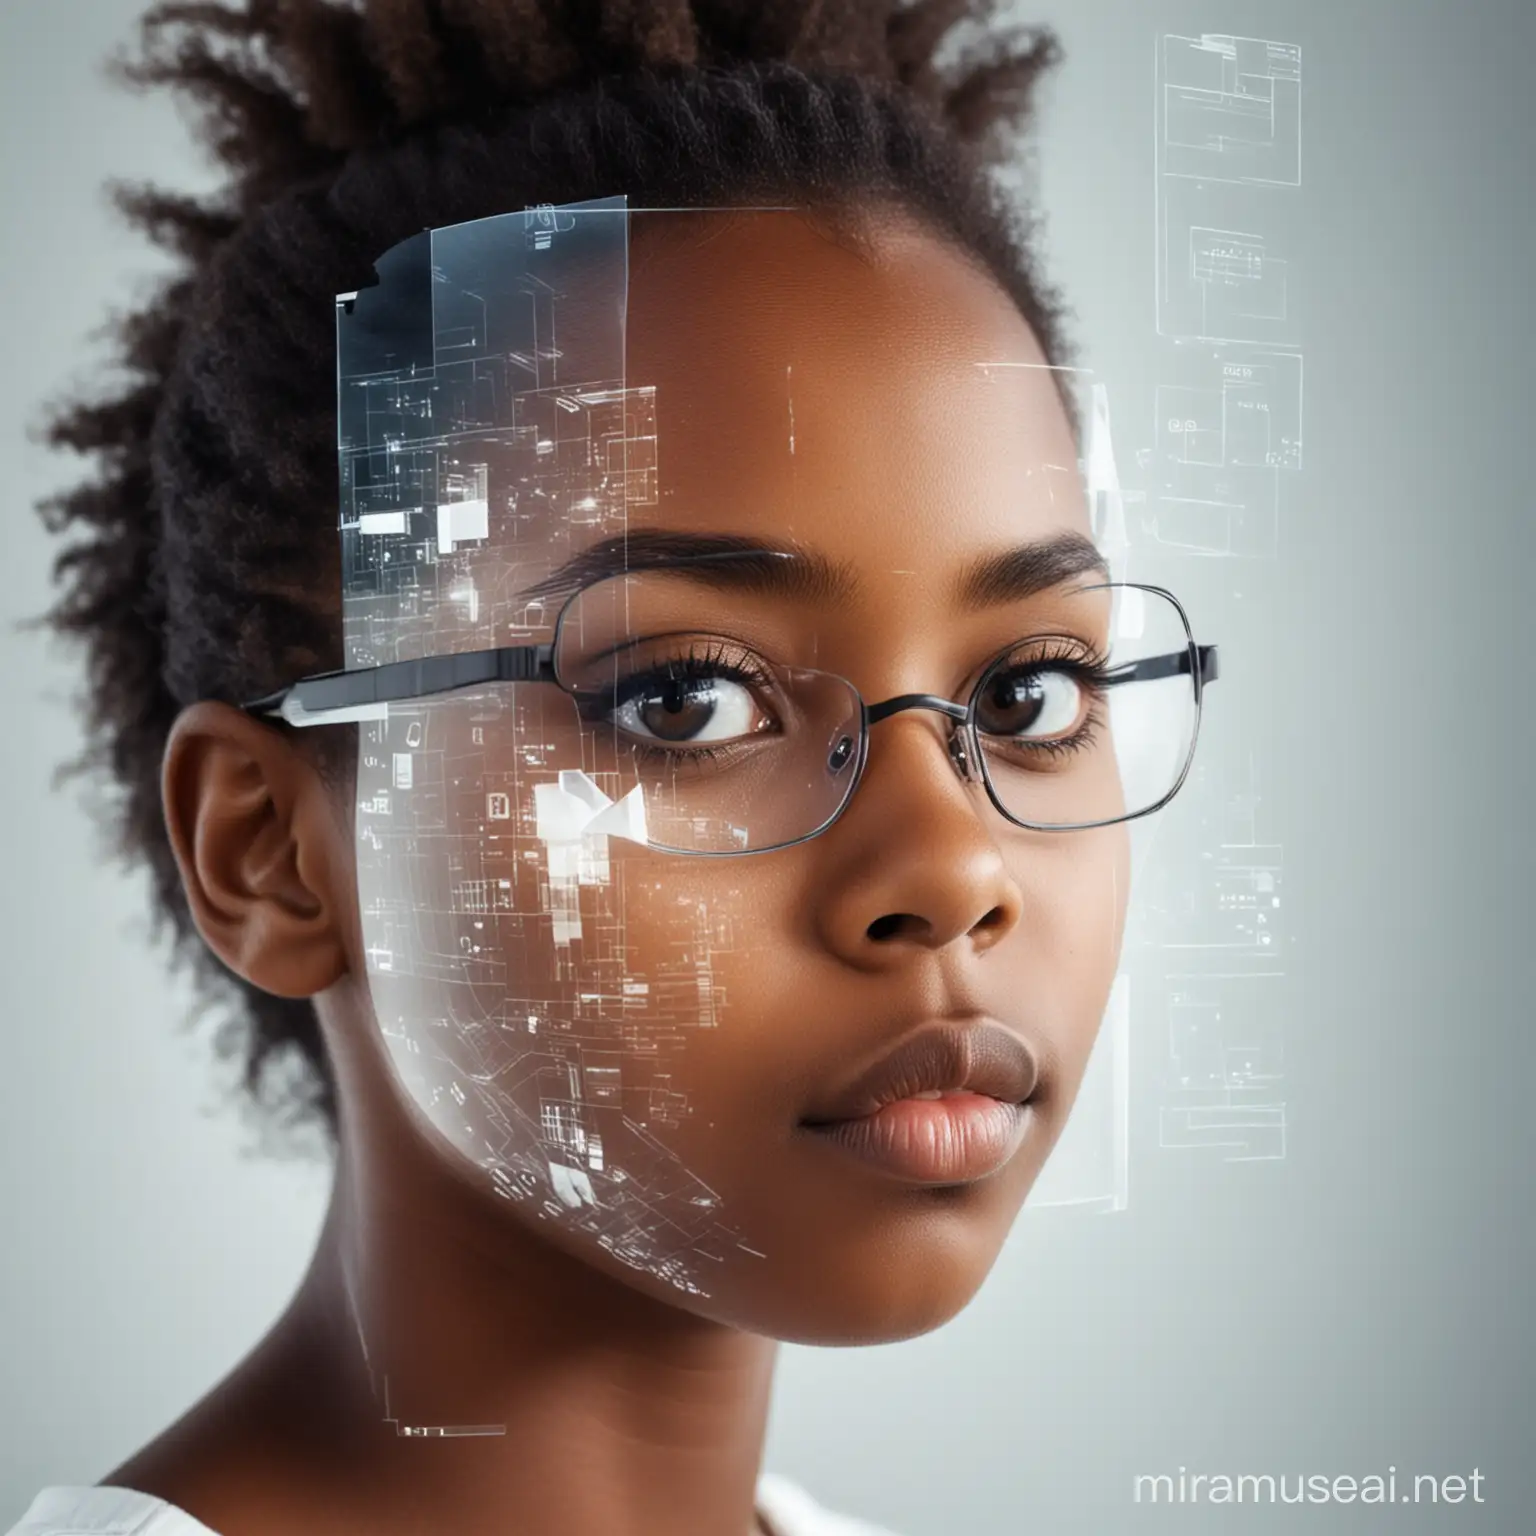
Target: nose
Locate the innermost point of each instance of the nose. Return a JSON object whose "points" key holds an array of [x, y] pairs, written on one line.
{"points": [[913, 865]]}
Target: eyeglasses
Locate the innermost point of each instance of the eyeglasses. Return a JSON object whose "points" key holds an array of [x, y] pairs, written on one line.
{"points": [[666, 689]]}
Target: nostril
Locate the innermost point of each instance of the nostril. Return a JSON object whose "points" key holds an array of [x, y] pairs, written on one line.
{"points": [[895, 924], [996, 918]]}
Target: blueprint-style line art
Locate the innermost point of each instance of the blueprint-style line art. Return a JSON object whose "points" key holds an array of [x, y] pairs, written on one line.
{"points": [[1231, 109], [1206, 939], [1214, 919], [1227, 143], [1227, 420], [1227, 425], [1226, 1068]]}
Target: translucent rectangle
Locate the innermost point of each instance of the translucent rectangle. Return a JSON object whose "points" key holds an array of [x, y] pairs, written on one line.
{"points": [[381, 522], [458, 522]]}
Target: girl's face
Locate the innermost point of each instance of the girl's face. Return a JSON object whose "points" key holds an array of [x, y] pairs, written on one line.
{"points": [[628, 1046]]}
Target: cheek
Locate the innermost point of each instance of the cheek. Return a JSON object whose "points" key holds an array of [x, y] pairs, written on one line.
{"points": [[1073, 922], [549, 997]]}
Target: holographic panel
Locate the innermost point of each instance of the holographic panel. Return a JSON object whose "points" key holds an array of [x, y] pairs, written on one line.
{"points": [[480, 410], [486, 434]]}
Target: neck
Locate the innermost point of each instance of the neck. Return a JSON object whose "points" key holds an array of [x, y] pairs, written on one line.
{"points": [[447, 1366]]}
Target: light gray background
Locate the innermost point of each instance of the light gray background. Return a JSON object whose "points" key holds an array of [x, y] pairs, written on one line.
{"points": [[1363, 1303]]}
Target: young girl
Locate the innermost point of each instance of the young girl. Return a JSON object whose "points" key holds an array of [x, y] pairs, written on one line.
{"points": [[707, 949]]}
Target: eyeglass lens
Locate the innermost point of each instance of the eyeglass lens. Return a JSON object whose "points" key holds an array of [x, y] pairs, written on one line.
{"points": [[735, 752]]}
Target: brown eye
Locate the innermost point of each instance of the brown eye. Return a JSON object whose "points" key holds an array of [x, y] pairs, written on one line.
{"points": [[690, 709], [1030, 702]]}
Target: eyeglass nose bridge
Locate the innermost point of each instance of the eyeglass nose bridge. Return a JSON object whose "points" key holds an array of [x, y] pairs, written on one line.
{"points": [[957, 714]]}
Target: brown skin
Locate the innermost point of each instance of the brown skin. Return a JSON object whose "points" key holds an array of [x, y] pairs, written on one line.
{"points": [[631, 1410]]}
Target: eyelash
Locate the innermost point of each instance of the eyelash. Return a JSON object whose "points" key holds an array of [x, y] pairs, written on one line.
{"points": [[695, 665]]}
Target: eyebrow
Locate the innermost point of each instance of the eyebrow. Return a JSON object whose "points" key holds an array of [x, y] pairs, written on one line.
{"points": [[1015, 574], [734, 562]]}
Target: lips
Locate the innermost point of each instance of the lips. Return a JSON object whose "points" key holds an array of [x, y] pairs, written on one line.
{"points": [[946, 1056]]}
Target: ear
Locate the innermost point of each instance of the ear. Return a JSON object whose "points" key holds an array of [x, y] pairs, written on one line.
{"points": [[265, 860]]}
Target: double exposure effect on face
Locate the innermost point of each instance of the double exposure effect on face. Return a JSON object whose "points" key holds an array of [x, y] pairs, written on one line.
{"points": [[660, 1061]]}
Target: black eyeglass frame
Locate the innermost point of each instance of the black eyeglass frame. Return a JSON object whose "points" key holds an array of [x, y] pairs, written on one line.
{"points": [[399, 681]]}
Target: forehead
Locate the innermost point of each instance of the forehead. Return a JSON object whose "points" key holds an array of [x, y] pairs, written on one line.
{"points": [[881, 398], [867, 394]]}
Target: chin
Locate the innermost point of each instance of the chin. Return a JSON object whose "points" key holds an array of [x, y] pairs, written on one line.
{"points": [[886, 1281]]}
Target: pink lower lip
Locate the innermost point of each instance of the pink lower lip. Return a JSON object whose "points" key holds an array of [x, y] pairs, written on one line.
{"points": [[952, 1140]]}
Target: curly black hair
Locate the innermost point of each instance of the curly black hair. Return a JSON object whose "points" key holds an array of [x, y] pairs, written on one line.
{"points": [[204, 559]]}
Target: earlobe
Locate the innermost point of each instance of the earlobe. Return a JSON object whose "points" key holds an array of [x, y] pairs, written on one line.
{"points": [[260, 851]]}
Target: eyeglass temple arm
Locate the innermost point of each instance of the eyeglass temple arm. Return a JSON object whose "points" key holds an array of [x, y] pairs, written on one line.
{"points": [[328, 693], [1173, 664]]}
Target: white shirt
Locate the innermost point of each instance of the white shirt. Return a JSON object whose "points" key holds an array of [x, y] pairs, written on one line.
{"points": [[785, 1507]]}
